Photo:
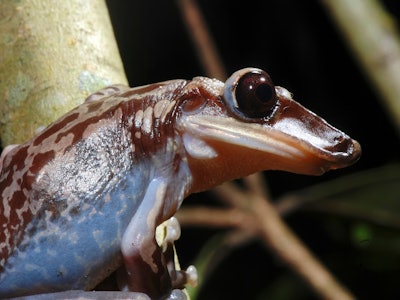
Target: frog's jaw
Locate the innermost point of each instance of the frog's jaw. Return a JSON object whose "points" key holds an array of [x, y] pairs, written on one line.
{"points": [[223, 148]]}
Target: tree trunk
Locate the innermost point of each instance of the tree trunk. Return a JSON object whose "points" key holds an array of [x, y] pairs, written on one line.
{"points": [[52, 55]]}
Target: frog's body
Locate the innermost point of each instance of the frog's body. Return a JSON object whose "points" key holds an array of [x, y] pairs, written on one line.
{"points": [[97, 182]]}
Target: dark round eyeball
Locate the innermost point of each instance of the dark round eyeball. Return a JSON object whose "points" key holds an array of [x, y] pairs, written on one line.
{"points": [[251, 93]]}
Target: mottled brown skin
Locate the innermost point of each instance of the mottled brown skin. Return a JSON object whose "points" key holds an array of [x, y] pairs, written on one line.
{"points": [[122, 162]]}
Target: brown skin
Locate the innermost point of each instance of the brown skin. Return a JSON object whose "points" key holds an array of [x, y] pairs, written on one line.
{"points": [[321, 148], [236, 161]]}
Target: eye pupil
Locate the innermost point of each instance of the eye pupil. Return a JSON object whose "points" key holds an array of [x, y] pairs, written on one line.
{"points": [[264, 93], [255, 95]]}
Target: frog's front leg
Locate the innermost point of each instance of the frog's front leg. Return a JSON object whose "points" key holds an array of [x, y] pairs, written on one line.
{"points": [[150, 268]]}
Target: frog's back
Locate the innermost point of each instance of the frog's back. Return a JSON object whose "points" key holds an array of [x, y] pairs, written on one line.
{"points": [[68, 195]]}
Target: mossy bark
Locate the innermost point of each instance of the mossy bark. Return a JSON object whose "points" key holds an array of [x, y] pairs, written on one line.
{"points": [[52, 55]]}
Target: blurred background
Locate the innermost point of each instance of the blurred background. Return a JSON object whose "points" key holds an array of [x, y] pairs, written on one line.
{"points": [[357, 236]]}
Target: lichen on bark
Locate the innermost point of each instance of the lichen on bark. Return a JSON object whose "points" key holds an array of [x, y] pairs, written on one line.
{"points": [[53, 54]]}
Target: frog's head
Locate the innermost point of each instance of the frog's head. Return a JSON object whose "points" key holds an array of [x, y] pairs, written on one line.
{"points": [[247, 124]]}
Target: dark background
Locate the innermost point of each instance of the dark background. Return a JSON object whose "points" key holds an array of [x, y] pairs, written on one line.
{"points": [[298, 44]]}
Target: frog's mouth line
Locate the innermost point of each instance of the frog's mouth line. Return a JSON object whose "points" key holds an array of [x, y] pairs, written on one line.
{"points": [[291, 143]]}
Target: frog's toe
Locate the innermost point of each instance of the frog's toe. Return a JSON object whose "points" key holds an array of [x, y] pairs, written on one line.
{"points": [[177, 295], [172, 232], [192, 276], [179, 278]]}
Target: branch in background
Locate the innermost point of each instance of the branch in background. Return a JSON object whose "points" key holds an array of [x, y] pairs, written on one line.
{"points": [[203, 42], [372, 35], [53, 54], [255, 216], [252, 210], [282, 241]]}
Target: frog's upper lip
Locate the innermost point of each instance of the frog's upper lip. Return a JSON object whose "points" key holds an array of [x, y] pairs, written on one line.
{"points": [[284, 149]]}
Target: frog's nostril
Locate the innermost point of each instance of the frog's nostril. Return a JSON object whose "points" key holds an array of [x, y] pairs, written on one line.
{"points": [[348, 149], [355, 152]]}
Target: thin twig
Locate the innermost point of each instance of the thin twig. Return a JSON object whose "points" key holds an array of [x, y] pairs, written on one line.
{"points": [[215, 217], [257, 184], [279, 238], [204, 44]]}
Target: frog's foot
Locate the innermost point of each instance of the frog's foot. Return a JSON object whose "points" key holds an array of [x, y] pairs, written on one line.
{"points": [[171, 233], [149, 260], [152, 269]]}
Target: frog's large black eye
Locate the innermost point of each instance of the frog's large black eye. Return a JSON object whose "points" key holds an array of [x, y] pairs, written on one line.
{"points": [[251, 93]]}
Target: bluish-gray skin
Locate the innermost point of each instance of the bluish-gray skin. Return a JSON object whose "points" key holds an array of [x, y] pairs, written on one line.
{"points": [[81, 182]]}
